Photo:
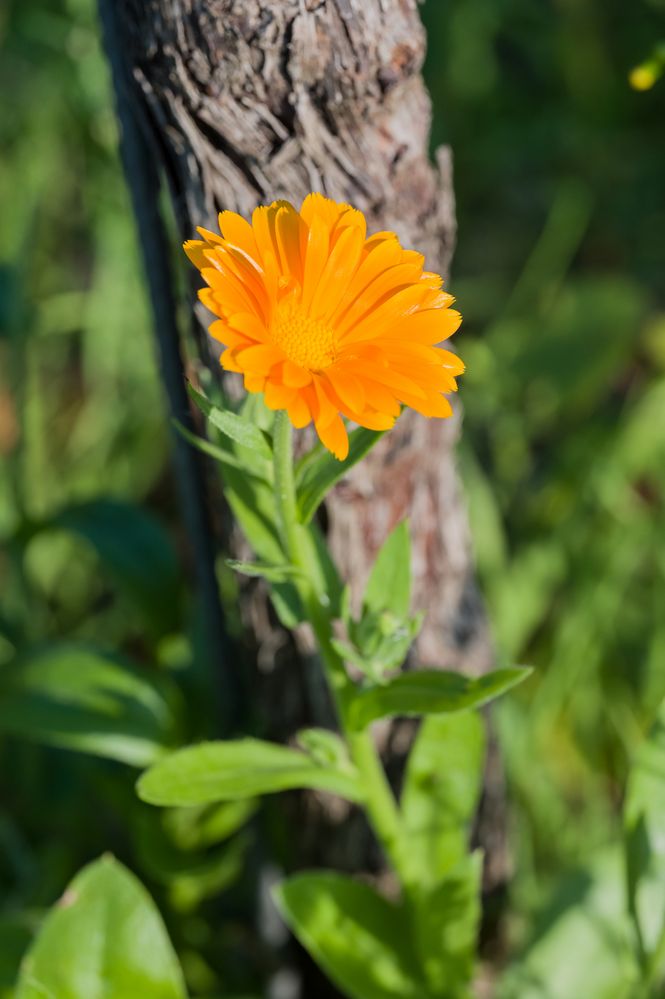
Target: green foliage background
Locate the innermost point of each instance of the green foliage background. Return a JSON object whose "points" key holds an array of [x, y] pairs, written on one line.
{"points": [[561, 210]]}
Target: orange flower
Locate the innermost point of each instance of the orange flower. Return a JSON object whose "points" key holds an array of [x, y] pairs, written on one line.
{"points": [[325, 320]]}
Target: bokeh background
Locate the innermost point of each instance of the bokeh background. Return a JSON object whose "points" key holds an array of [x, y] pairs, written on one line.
{"points": [[560, 169]]}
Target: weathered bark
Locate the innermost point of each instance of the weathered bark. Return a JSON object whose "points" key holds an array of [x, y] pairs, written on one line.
{"points": [[252, 100]]}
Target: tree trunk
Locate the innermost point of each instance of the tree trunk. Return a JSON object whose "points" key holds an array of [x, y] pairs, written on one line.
{"points": [[247, 101]]}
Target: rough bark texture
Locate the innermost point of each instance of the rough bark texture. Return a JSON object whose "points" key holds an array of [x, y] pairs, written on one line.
{"points": [[253, 100]]}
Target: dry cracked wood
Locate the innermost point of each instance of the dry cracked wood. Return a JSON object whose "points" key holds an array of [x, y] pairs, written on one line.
{"points": [[252, 100]]}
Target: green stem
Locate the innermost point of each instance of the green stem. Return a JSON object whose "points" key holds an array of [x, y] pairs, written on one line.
{"points": [[379, 800]]}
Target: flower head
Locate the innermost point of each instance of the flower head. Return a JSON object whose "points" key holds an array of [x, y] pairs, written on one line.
{"points": [[325, 320]]}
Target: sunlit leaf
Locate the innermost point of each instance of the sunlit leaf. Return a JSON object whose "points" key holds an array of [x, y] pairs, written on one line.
{"points": [[245, 768], [389, 584], [233, 426], [318, 471], [104, 938], [431, 692], [446, 920], [359, 939]]}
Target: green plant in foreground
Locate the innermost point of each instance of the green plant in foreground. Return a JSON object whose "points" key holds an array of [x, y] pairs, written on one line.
{"points": [[423, 942], [328, 322]]}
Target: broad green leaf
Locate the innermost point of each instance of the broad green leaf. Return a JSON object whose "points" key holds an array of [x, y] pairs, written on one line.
{"points": [[273, 573], [431, 692], [359, 939], [318, 471], [447, 920], [389, 584], [241, 431], [134, 548], [77, 698], [245, 768], [582, 945], [442, 786], [644, 817], [104, 940]]}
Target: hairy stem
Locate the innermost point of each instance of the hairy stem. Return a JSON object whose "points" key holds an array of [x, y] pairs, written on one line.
{"points": [[380, 804]]}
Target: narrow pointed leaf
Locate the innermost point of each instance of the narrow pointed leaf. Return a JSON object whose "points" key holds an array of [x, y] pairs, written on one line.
{"points": [[389, 584], [273, 573], [318, 471], [231, 425], [431, 692]]}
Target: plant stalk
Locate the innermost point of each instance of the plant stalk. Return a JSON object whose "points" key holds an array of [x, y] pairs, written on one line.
{"points": [[380, 804]]}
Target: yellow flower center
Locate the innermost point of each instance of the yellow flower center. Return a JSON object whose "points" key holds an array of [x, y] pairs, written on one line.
{"points": [[305, 341]]}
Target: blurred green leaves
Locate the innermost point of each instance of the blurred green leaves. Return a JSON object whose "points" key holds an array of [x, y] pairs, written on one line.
{"points": [[104, 938], [78, 698], [441, 791]]}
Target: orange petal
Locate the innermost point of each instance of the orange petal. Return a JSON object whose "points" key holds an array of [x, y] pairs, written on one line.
{"points": [[298, 411], [259, 358], [348, 388], [340, 265], [333, 436], [294, 376], [254, 383], [250, 326], [220, 330], [287, 232], [316, 254], [237, 231], [278, 396], [194, 249]]}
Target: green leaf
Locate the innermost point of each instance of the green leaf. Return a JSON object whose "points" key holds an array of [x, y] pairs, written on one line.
{"points": [[644, 818], [389, 584], [233, 426], [442, 786], [324, 571], [324, 746], [134, 548], [106, 939], [245, 768], [273, 573], [358, 938], [77, 698], [318, 471], [190, 874], [447, 920], [582, 944], [431, 692], [223, 456]]}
